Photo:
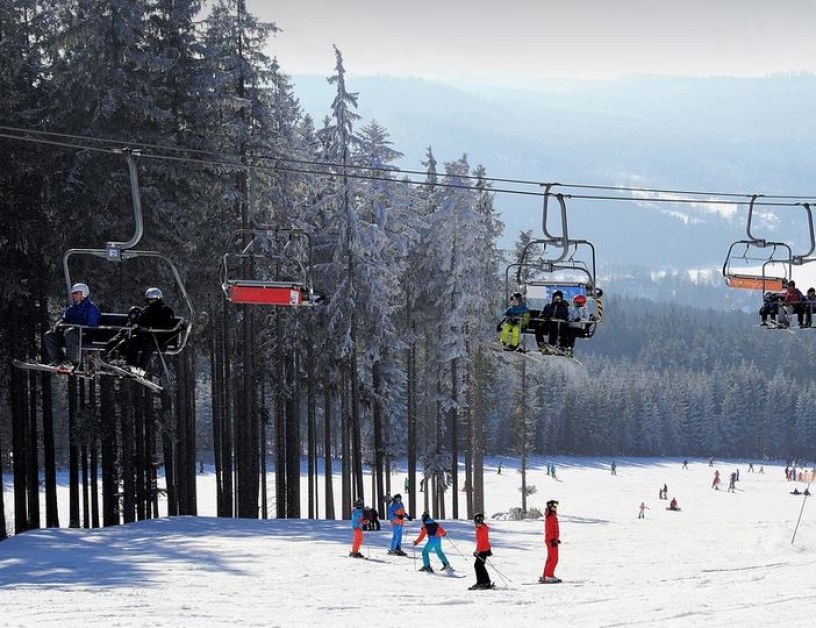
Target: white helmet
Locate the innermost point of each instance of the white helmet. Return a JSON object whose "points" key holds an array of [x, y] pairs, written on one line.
{"points": [[81, 287], [153, 293]]}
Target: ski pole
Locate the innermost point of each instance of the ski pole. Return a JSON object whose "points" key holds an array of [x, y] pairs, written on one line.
{"points": [[801, 510], [414, 546], [506, 579], [455, 547]]}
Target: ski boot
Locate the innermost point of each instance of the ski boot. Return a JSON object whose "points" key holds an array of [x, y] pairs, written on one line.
{"points": [[427, 568]]}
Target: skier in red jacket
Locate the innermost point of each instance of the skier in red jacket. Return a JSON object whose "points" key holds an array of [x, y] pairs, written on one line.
{"points": [[552, 540], [482, 552]]}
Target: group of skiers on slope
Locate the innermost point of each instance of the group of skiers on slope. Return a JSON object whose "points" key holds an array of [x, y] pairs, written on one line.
{"points": [[562, 323], [133, 344], [777, 307], [434, 532]]}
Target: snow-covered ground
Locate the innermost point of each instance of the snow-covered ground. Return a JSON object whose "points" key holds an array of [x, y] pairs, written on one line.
{"points": [[725, 560]]}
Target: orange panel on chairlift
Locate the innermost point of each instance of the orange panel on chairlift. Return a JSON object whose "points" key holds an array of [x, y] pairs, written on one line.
{"points": [[768, 284], [265, 295]]}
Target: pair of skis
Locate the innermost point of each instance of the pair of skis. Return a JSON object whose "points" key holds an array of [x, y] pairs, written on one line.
{"points": [[537, 356], [93, 367]]}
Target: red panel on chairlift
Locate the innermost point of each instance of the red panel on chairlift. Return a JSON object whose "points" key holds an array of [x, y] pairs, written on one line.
{"points": [[265, 295], [768, 284]]}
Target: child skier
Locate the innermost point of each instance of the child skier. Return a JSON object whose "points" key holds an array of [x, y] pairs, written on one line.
{"points": [[552, 540], [434, 532], [481, 553], [357, 522], [397, 516]]}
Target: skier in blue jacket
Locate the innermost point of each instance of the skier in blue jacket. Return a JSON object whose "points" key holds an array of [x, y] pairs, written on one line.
{"points": [[82, 312], [357, 521], [434, 532], [397, 517]]}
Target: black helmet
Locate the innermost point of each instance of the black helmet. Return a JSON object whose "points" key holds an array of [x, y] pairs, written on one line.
{"points": [[359, 503], [558, 294], [551, 503], [397, 497], [478, 518], [425, 517], [517, 296]]}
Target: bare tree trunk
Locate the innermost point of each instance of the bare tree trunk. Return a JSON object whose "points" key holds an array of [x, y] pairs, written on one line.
{"points": [[377, 484], [454, 439], [110, 499], [327, 449], [293, 444], [73, 454]]}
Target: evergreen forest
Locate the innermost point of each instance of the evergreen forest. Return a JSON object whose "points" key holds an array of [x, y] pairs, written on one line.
{"points": [[397, 361]]}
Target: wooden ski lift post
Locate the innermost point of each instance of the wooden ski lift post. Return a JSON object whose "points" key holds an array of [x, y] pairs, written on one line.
{"points": [[293, 290]]}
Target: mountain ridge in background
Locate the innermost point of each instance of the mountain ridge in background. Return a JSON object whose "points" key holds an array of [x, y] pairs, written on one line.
{"points": [[722, 134]]}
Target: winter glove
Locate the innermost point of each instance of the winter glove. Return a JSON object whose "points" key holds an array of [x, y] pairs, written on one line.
{"points": [[415, 542], [499, 326], [410, 518], [489, 553], [476, 554], [400, 516], [554, 543]]}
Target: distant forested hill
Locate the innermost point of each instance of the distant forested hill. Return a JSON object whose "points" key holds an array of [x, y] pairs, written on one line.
{"points": [[722, 134]]}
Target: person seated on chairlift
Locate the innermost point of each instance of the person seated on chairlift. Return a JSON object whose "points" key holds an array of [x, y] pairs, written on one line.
{"points": [[516, 317], [794, 304], [82, 311], [556, 313], [809, 305], [136, 344], [770, 309]]}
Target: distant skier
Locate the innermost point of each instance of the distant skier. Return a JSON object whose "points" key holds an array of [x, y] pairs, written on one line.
{"points": [[673, 504], [434, 532], [552, 540], [685, 464], [642, 510], [482, 552], [732, 483], [357, 522], [397, 517], [716, 483], [614, 468]]}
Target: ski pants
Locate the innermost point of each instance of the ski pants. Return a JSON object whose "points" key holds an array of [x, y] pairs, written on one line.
{"points": [[510, 333], [55, 340], [552, 560], [482, 577], [358, 540], [434, 544], [396, 536]]}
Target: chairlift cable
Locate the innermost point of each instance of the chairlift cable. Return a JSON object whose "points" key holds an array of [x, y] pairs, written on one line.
{"points": [[229, 161]]}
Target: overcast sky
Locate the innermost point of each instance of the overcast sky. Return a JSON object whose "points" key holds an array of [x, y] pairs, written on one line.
{"points": [[535, 39]]}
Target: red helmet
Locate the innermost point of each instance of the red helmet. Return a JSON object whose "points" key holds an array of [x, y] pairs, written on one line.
{"points": [[580, 300]]}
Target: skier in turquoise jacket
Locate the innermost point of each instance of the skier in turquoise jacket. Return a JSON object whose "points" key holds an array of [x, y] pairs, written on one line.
{"points": [[434, 532]]}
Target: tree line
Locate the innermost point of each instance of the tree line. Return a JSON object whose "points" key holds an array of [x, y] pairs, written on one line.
{"points": [[392, 364]]}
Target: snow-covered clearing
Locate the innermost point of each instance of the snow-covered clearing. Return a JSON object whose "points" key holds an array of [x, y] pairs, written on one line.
{"points": [[725, 560]]}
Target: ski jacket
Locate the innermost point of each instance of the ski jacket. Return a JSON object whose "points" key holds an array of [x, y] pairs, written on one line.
{"points": [[156, 315], [551, 528], [397, 514], [482, 538], [556, 310], [357, 518], [578, 313], [793, 295], [83, 313], [431, 529]]}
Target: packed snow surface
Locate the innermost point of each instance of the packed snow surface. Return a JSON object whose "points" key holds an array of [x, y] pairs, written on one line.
{"points": [[726, 559]]}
